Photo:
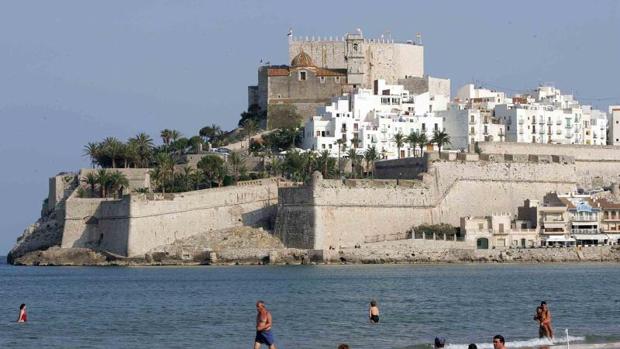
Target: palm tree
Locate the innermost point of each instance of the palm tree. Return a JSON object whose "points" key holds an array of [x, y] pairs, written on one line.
{"points": [[355, 142], [196, 144], [399, 139], [413, 140], [113, 148], [174, 135], [250, 127], [157, 178], [92, 150], [144, 147], [422, 142], [165, 166], [441, 138], [103, 179], [91, 180], [117, 182], [237, 163], [352, 155], [323, 163], [341, 144], [166, 135], [370, 156]]}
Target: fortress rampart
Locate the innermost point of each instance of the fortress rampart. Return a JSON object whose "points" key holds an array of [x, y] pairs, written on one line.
{"points": [[595, 166], [345, 213], [137, 223]]}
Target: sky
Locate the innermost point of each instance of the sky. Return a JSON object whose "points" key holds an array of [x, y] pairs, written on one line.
{"points": [[72, 72]]}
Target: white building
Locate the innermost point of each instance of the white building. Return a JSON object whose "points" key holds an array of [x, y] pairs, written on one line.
{"points": [[367, 118], [547, 116], [614, 125], [470, 118]]}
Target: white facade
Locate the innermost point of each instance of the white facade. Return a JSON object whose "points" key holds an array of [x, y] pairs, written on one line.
{"points": [[547, 116], [373, 118], [614, 125]]}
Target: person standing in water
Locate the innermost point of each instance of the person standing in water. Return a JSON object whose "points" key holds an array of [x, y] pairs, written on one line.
{"points": [[542, 331], [546, 319], [263, 327], [23, 317], [373, 312]]}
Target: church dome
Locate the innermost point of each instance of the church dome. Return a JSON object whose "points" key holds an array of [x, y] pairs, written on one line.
{"points": [[302, 60]]}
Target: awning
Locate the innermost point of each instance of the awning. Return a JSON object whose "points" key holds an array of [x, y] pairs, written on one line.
{"points": [[559, 239], [613, 236], [597, 237]]}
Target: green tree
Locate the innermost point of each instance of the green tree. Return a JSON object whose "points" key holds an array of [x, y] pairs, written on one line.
{"points": [[370, 156], [196, 144], [399, 139], [342, 145], [166, 136], [174, 135], [440, 138], [103, 179], [412, 139], [254, 113], [93, 151], [163, 171], [250, 127], [91, 180], [422, 142], [113, 149], [117, 181], [354, 158], [237, 164], [213, 168], [143, 144]]}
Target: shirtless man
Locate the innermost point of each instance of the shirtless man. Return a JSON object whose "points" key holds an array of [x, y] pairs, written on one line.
{"points": [[373, 312], [23, 317], [263, 327]]}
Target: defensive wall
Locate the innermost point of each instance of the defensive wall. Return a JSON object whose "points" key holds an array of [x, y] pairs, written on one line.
{"points": [[135, 224], [595, 166], [334, 213]]}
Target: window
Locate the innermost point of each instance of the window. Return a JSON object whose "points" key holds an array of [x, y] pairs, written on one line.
{"points": [[322, 79], [480, 226], [501, 228], [318, 133], [330, 146], [322, 146], [436, 127], [423, 127], [472, 119], [302, 75]]}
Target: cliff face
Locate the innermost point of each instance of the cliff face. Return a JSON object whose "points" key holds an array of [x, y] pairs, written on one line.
{"points": [[47, 230]]}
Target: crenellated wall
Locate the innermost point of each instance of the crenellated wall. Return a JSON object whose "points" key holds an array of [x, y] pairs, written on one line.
{"points": [[346, 213], [137, 223], [595, 166]]}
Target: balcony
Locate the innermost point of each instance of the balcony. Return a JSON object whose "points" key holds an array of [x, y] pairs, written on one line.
{"points": [[520, 121], [585, 231]]}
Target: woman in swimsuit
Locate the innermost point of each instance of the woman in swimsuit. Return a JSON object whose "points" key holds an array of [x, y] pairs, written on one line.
{"points": [[23, 317], [373, 312]]}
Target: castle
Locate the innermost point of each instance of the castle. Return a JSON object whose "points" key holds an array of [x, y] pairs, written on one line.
{"points": [[325, 214], [322, 68]]}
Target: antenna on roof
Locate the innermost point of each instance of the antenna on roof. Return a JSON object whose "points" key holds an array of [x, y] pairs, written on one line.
{"points": [[418, 38]]}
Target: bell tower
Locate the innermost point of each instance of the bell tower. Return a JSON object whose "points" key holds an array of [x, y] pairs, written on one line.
{"points": [[354, 56]]}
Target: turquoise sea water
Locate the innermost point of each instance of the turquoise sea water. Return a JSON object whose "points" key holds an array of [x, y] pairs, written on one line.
{"points": [[312, 306]]}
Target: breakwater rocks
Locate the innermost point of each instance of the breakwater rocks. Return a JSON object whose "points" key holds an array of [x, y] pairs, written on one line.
{"points": [[281, 256]]}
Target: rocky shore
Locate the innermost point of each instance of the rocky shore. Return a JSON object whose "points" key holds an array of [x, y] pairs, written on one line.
{"points": [[56, 256]]}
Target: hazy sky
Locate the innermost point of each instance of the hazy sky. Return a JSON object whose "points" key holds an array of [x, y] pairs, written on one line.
{"points": [[77, 71]]}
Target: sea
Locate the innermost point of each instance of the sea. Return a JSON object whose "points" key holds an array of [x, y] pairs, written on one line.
{"points": [[318, 306]]}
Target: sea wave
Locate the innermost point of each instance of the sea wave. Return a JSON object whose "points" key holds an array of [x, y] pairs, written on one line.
{"points": [[528, 343]]}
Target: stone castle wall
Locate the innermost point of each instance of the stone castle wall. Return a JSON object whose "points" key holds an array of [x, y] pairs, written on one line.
{"points": [[382, 59], [595, 166], [350, 212], [137, 223]]}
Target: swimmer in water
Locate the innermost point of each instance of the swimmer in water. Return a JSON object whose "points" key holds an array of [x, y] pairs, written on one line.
{"points": [[373, 312], [23, 317], [546, 319], [263, 327]]}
